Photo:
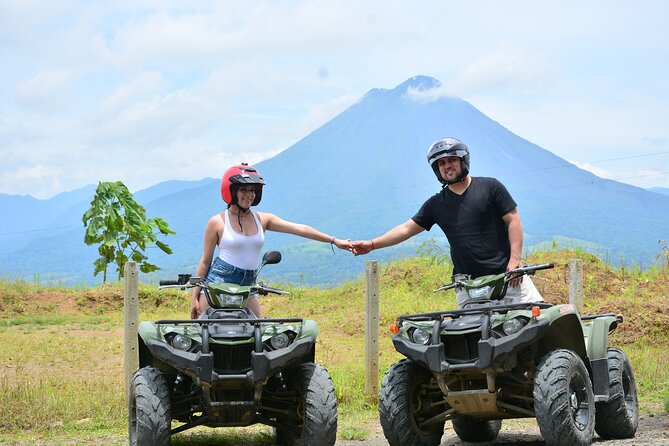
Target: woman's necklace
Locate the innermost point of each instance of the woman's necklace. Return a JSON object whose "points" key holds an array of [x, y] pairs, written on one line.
{"points": [[240, 216], [240, 219]]}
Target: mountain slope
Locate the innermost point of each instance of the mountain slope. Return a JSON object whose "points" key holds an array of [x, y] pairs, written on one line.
{"points": [[365, 171]]}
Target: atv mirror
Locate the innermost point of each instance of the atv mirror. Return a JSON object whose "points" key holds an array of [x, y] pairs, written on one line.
{"points": [[271, 257]]}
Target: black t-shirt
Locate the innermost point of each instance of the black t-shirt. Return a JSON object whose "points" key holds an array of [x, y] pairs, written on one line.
{"points": [[473, 225]]}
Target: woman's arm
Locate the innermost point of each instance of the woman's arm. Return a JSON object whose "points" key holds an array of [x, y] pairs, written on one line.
{"points": [[396, 235], [211, 237], [271, 222]]}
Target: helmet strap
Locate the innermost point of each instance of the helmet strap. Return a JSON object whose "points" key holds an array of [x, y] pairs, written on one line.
{"points": [[240, 211], [457, 180]]}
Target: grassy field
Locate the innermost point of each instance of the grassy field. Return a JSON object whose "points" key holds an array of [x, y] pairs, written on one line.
{"points": [[61, 350]]}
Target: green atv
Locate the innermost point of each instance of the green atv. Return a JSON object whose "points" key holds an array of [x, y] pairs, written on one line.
{"points": [[229, 368], [487, 362]]}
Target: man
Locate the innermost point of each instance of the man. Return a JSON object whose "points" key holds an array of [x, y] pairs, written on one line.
{"points": [[478, 216]]}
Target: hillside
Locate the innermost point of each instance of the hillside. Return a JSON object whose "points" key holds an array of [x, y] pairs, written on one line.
{"points": [[607, 288]]}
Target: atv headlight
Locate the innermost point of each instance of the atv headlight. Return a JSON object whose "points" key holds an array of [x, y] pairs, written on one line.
{"points": [[231, 299], [281, 340], [181, 342], [480, 293], [512, 326], [420, 336]]}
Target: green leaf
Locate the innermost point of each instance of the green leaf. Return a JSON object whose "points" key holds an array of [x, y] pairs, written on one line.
{"points": [[148, 268], [163, 247], [138, 257]]}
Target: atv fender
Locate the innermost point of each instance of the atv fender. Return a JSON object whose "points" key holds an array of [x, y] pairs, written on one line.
{"points": [[565, 332], [596, 332]]}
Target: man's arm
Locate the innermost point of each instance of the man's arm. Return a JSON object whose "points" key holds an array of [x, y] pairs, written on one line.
{"points": [[515, 230], [396, 235]]}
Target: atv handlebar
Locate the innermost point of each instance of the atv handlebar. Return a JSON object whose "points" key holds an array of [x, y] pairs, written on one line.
{"points": [[448, 287], [523, 270], [187, 281], [168, 282], [532, 268], [264, 290]]}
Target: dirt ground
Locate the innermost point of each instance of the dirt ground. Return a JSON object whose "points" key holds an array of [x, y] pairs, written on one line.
{"points": [[653, 431]]}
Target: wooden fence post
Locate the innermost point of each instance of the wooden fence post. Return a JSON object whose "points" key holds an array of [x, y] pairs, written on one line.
{"points": [[576, 284], [130, 307], [372, 331]]}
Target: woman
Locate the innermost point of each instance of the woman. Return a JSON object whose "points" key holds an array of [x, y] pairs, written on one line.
{"points": [[239, 234]]}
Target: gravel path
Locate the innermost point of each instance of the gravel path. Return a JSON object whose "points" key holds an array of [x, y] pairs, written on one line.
{"points": [[653, 431]]}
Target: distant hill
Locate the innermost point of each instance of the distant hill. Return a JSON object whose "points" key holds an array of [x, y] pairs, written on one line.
{"points": [[362, 173], [660, 190]]}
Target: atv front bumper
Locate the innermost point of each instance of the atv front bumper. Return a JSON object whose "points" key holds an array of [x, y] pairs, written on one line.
{"points": [[200, 366], [491, 351]]}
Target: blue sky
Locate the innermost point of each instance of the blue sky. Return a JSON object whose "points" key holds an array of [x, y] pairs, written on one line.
{"points": [[146, 91]]}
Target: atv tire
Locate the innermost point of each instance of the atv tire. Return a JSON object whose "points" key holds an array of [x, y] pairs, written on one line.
{"points": [[475, 430], [619, 416], [403, 407], [315, 411], [149, 420], [564, 402]]}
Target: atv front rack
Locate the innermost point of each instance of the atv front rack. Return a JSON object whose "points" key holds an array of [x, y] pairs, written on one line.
{"points": [[479, 309]]}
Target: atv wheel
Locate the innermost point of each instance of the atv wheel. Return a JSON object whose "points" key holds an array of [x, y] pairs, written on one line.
{"points": [[476, 430], [405, 404], [149, 421], [619, 416], [564, 402], [315, 411]]}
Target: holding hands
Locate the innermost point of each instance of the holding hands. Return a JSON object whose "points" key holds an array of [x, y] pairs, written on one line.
{"points": [[358, 247], [361, 247], [343, 244]]}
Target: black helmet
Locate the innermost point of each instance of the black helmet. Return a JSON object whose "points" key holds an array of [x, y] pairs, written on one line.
{"points": [[449, 147]]}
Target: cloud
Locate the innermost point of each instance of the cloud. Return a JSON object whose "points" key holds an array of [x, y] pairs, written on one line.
{"points": [[47, 86], [143, 86], [138, 114], [508, 68], [640, 177], [41, 179]]}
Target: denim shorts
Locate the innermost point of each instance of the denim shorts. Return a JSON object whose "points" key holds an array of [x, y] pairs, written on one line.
{"points": [[221, 271]]}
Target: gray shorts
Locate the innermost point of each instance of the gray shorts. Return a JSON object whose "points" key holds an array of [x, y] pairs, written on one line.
{"points": [[525, 292]]}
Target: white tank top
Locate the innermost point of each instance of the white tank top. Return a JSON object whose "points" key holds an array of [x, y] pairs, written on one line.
{"points": [[242, 251]]}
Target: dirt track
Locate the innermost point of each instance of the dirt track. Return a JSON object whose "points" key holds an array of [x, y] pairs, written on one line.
{"points": [[653, 431]]}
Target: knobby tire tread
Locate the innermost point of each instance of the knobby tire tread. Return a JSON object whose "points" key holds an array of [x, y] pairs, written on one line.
{"points": [[612, 418], [395, 411], [320, 404], [551, 399], [152, 403], [475, 430]]}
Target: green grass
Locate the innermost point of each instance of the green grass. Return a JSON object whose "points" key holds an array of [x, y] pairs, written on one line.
{"points": [[61, 350]]}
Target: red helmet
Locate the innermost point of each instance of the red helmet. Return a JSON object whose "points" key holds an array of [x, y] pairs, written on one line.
{"points": [[235, 177]]}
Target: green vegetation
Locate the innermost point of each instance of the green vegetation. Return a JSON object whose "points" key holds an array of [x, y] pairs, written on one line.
{"points": [[61, 350], [118, 224]]}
